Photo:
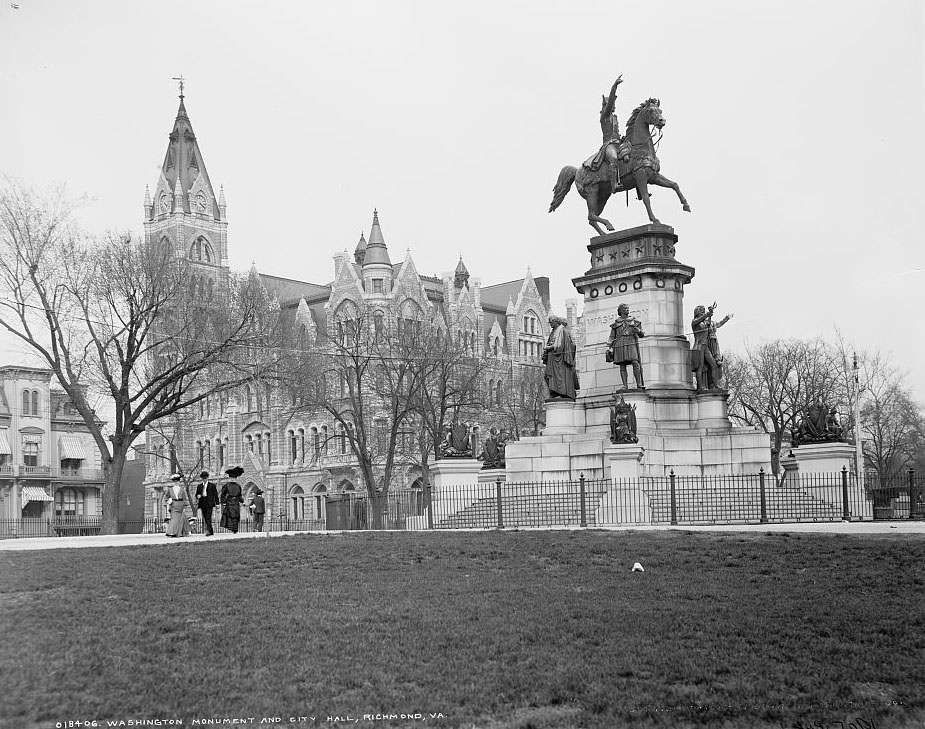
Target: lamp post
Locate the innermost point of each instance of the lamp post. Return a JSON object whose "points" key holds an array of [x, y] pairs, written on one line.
{"points": [[858, 446]]}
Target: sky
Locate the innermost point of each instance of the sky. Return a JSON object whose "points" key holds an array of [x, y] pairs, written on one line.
{"points": [[794, 130]]}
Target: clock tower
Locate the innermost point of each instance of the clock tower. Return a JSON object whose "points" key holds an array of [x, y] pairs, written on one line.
{"points": [[184, 213]]}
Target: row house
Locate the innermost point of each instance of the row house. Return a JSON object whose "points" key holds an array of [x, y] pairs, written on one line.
{"points": [[49, 462]]}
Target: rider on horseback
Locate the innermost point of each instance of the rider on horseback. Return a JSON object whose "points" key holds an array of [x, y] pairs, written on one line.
{"points": [[611, 149]]}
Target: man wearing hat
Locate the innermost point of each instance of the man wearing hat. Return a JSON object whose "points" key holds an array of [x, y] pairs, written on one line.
{"points": [[206, 499], [258, 508]]}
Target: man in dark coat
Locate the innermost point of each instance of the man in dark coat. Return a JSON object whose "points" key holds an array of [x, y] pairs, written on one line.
{"points": [[258, 508], [206, 500]]}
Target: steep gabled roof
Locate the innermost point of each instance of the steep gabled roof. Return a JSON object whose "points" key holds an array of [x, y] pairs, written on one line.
{"points": [[183, 164]]}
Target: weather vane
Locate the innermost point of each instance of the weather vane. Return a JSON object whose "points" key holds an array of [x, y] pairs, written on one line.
{"points": [[180, 79]]}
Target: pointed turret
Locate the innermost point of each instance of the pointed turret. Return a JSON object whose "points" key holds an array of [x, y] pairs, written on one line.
{"points": [[376, 251], [359, 252], [148, 202], [377, 267], [183, 170]]}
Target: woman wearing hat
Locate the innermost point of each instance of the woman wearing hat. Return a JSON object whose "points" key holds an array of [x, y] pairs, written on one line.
{"points": [[231, 500], [176, 504]]}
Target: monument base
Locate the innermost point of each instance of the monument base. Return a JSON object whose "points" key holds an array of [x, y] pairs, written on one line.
{"points": [[624, 502], [816, 464]]}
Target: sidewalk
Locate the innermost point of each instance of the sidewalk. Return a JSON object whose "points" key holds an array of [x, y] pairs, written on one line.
{"points": [[863, 528]]}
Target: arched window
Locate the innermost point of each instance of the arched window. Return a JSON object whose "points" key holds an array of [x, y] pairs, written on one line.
{"points": [[26, 402], [201, 250], [324, 440], [293, 447], [319, 491], [342, 437], [266, 437], [248, 399], [249, 443], [316, 443], [499, 392], [296, 503], [301, 445], [35, 402]]}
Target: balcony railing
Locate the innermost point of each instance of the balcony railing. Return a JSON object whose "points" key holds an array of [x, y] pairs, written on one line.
{"points": [[34, 471], [80, 474], [70, 473]]}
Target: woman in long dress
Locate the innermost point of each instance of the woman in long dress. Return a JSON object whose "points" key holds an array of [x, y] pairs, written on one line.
{"points": [[178, 526], [231, 499]]}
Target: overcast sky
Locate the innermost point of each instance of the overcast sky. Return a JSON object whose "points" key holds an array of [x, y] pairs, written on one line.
{"points": [[794, 129]]}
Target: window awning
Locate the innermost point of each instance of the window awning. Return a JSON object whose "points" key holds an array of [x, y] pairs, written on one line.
{"points": [[34, 493], [5, 449], [69, 446]]}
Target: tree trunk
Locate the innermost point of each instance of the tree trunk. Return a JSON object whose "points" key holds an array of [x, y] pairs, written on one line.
{"points": [[112, 491], [376, 502]]}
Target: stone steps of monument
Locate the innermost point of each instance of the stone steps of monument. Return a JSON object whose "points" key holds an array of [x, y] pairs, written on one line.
{"points": [[525, 510], [706, 505]]}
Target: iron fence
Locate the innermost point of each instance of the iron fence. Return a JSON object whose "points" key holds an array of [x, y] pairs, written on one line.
{"points": [[897, 496], [674, 499]]}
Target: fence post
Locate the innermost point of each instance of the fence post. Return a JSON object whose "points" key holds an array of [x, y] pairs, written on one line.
{"points": [[846, 510], [429, 495], [581, 489], [674, 499], [764, 500], [498, 490], [913, 494]]}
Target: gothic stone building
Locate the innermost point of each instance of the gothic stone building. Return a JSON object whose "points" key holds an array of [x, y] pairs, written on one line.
{"points": [[298, 460]]}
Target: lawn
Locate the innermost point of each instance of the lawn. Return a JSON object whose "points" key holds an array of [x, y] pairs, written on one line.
{"points": [[481, 629]]}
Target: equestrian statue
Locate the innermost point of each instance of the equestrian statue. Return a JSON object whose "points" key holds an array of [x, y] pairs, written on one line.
{"points": [[621, 164]]}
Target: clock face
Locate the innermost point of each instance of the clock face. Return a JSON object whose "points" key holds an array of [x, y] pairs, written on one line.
{"points": [[201, 202], [164, 203]]}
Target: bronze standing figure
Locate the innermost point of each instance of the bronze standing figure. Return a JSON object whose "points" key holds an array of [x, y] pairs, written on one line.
{"points": [[623, 346]]}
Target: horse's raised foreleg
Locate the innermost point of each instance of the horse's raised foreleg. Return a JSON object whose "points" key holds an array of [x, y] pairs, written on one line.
{"points": [[642, 191], [662, 181], [596, 200]]}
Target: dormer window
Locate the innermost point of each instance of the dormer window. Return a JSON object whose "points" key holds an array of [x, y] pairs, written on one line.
{"points": [[377, 285]]}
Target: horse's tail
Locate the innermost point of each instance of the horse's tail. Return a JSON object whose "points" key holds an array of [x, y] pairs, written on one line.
{"points": [[563, 185]]}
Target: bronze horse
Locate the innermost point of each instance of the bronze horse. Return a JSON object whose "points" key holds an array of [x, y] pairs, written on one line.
{"points": [[638, 168]]}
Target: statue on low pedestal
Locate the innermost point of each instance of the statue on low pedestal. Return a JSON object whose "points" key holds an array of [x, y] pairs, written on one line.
{"points": [[492, 455], [457, 441], [622, 421], [819, 424]]}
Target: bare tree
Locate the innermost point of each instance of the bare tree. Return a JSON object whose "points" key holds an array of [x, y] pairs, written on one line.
{"points": [[525, 407], [892, 423], [451, 387], [362, 375], [120, 317], [773, 383]]}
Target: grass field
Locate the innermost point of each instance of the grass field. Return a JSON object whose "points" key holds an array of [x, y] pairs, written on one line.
{"points": [[488, 629]]}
